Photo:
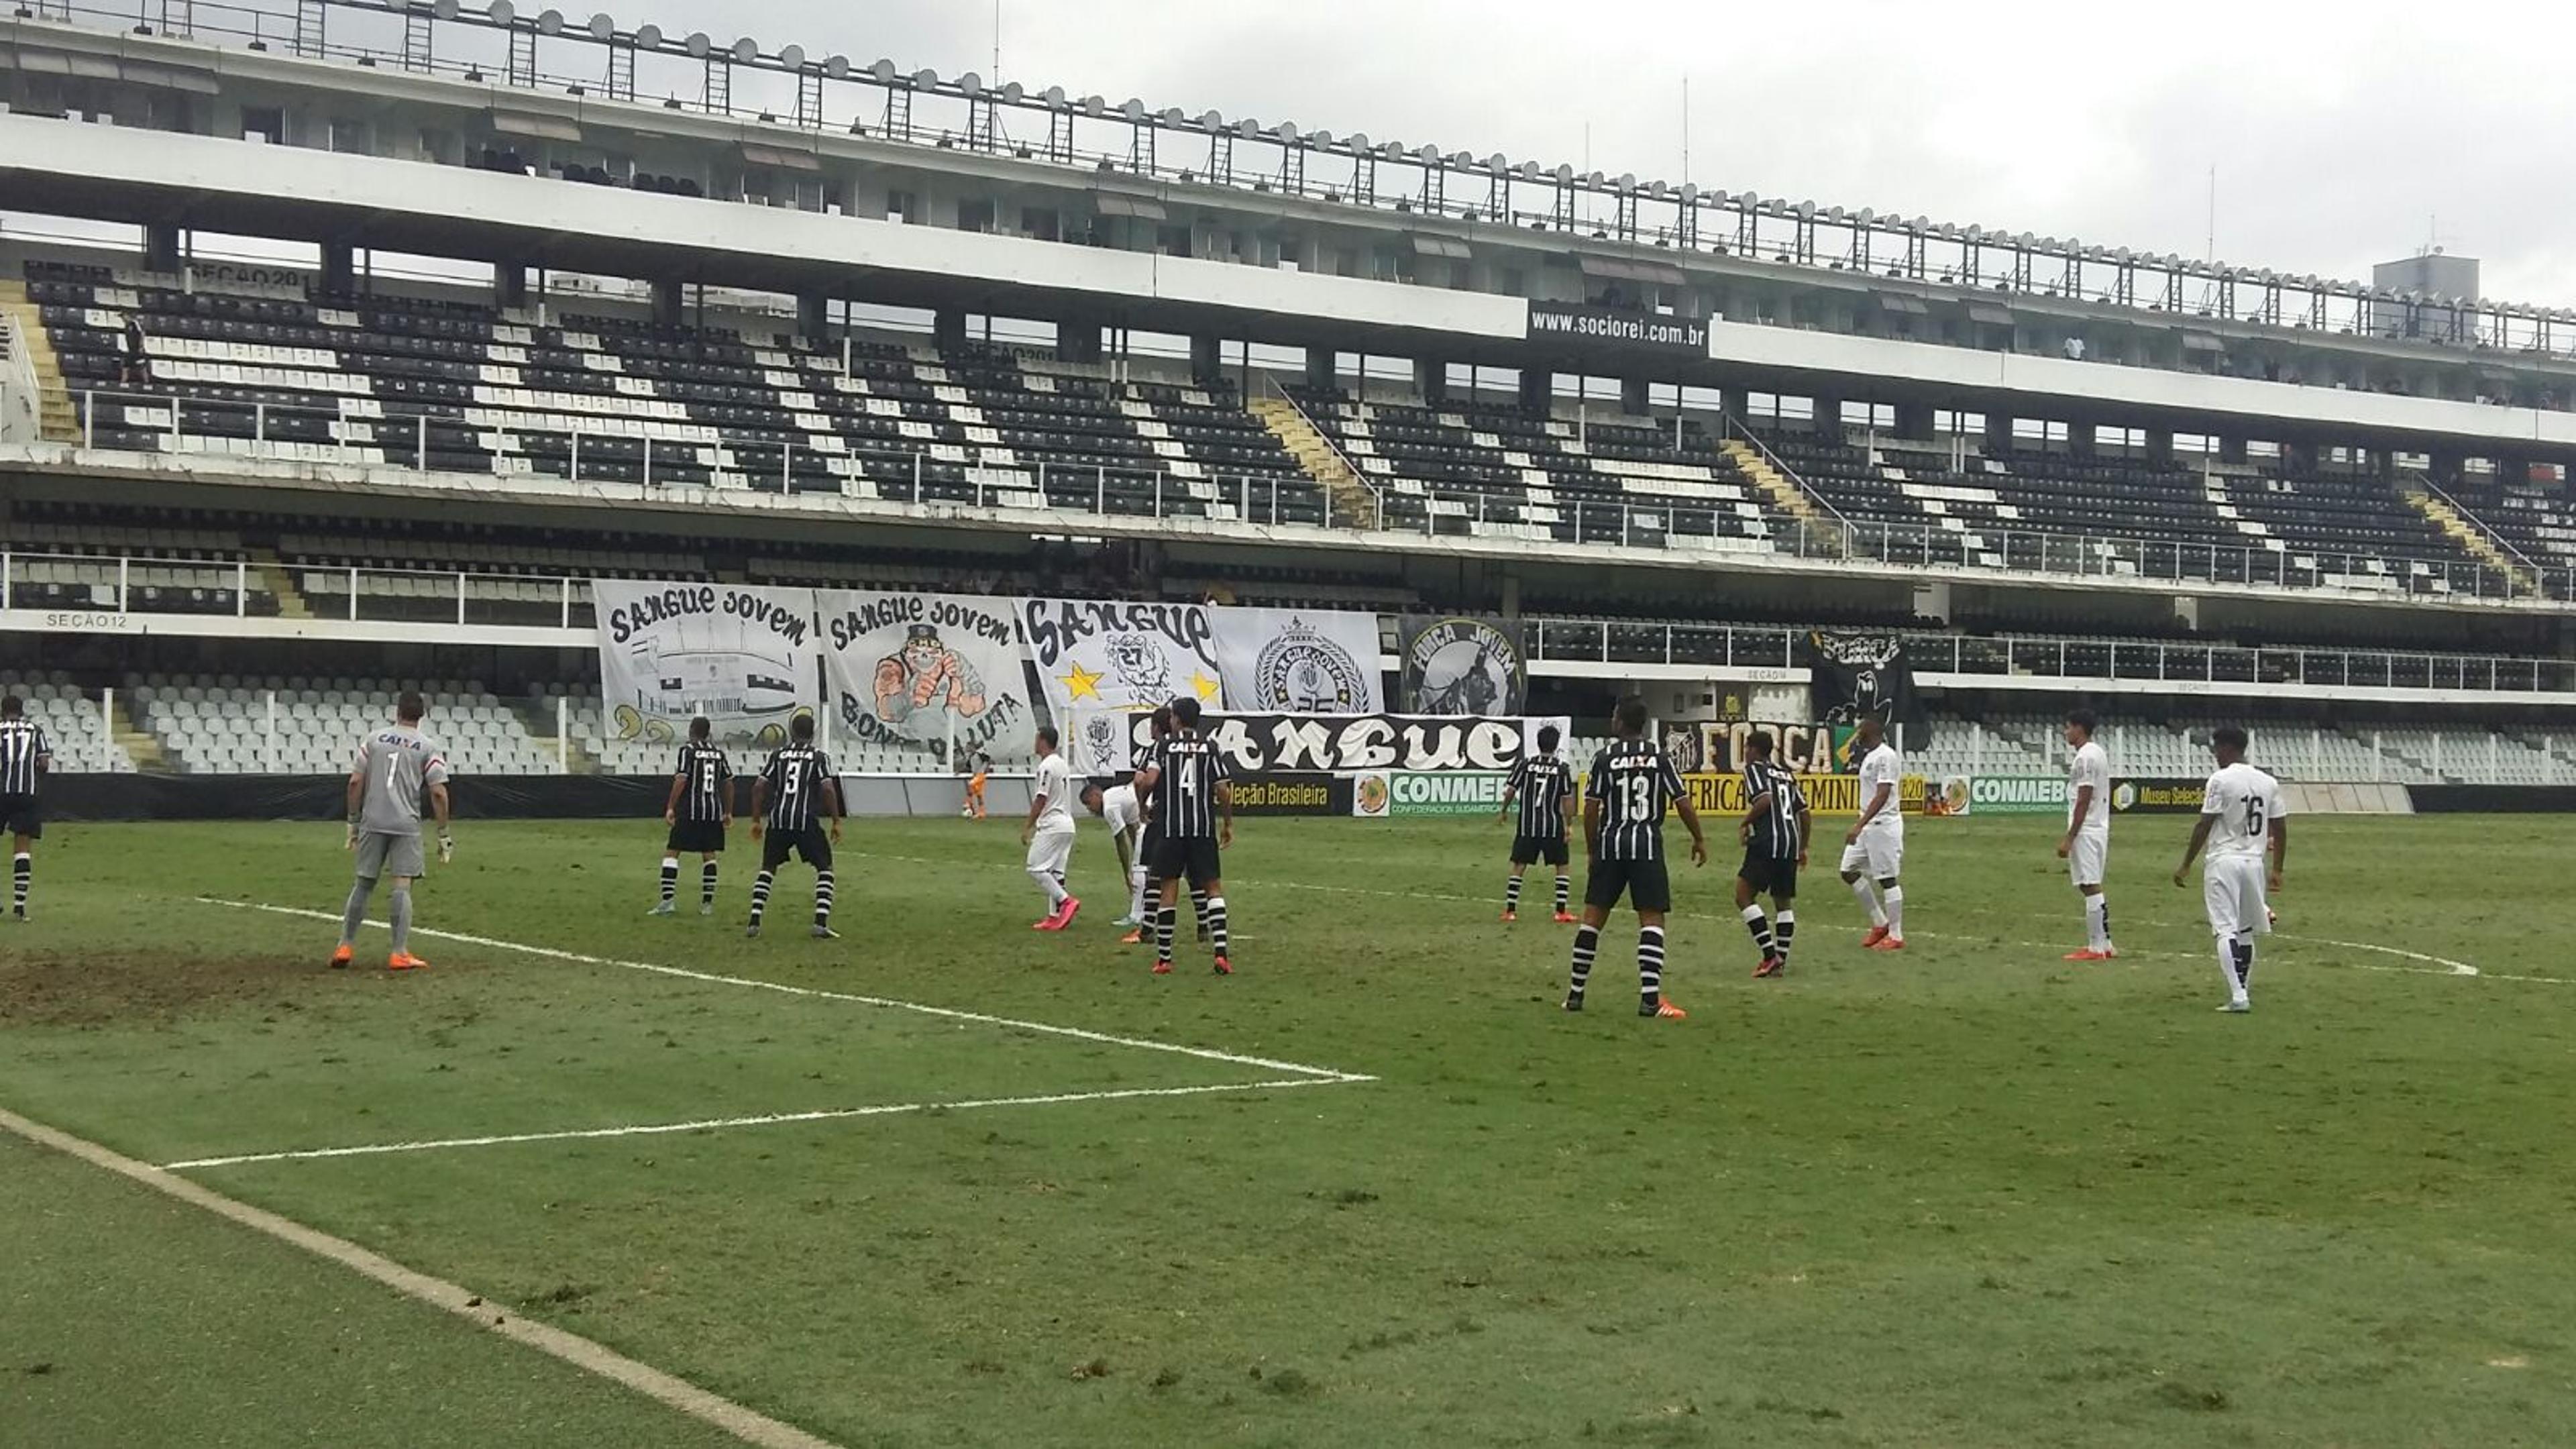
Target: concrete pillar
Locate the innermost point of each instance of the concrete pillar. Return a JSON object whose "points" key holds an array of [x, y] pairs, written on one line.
{"points": [[2510, 469], [1634, 397], [2231, 450], [1431, 379], [2081, 441], [1538, 389], [1321, 369], [948, 328], [2160, 446], [509, 285], [670, 302], [1737, 401], [339, 267], [161, 247], [1829, 416], [1914, 420], [813, 316], [1207, 360], [1077, 341], [2443, 468], [2299, 460], [1999, 435]]}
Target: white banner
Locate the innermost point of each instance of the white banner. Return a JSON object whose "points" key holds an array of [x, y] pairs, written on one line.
{"points": [[914, 671], [1092, 655], [742, 656], [1298, 661]]}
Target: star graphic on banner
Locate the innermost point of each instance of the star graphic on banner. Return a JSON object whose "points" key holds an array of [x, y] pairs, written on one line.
{"points": [[1206, 687], [1081, 683]]}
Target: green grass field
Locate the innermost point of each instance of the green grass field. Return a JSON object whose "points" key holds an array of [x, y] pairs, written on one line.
{"points": [[1969, 1195]]}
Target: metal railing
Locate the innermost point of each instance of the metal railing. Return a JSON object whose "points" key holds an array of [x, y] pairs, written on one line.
{"points": [[638, 456]]}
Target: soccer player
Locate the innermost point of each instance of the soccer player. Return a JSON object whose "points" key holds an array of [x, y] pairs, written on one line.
{"points": [[794, 785], [1874, 850], [1048, 832], [1117, 806], [1774, 831], [1623, 844], [2087, 846], [24, 760], [396, 766], [698, 812], [1150, 849], [1542, 783], [2240, 808], [1193, 803]]}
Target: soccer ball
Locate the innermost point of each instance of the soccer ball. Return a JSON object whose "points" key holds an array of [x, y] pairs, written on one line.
{"points": [[965, 812]]}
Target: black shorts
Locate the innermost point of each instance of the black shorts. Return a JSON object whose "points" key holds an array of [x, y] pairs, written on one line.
{"points": [[1646, 883], [1192, 860], [810, 843], [1529, 848], [696, 837], [1149, 850], [21, 815], [1770, 875]]}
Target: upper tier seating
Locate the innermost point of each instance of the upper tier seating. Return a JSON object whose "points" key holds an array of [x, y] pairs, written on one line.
{"points": [[2538, 519], [408, 381], [1507, 473]]}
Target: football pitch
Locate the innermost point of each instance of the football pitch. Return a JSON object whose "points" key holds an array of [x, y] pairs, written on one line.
{"points": [[950, 1182]]}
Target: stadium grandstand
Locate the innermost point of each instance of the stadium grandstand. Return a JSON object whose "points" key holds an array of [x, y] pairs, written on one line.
{"points": [[351, 348]]}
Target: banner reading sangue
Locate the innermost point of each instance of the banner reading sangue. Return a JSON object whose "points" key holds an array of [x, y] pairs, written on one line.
{"points": [[1614, 328], [1105, 743], [1092, 655], [1461, 666], [740, 655], [915, 671], [1298, 661]]}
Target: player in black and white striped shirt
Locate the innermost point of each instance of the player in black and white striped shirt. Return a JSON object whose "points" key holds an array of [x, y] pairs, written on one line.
{"points": [[1632, 784], [1774, 831], [1150, 849], [700, 807], [1192, 805], [1542, 784], [24, 759], [795, 789]]}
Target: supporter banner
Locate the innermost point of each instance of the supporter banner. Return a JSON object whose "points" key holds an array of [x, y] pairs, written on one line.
{"points": [[1865, 674], [1298, 661], [1826, 794], [1107, 743], [1807, 749], [1615, 329], [2157, 797], [2020, 794], [1956, 796], [1094, 655], [740, 655], [1461, 666], [1299, 794], [914, 671]]}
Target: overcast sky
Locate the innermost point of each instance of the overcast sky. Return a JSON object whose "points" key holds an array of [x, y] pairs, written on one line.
{"points": [[2339, 131]]}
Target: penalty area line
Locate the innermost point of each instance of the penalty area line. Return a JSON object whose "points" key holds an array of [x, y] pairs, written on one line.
{"points": [[754, 983], [713, 1124], [748, 1425]]}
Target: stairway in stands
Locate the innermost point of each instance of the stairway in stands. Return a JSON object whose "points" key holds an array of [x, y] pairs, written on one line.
{"points": [[1354, 503], [140, 745], [2481, 542], [54, 416], [1783, 490], [278, 580]]}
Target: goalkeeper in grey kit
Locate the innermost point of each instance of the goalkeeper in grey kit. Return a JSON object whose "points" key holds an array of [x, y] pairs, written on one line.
{"points": [[398, 767]]}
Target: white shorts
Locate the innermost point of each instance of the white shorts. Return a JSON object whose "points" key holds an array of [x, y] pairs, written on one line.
{"points": [[2232, 890], [2087, 861], [1051, 850], [1879, 854]]}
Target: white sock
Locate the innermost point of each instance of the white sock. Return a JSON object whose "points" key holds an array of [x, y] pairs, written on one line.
{"points": [[2097, 922], [1047, 882], [1896, 913], [2227, 968], [1868, 898]]}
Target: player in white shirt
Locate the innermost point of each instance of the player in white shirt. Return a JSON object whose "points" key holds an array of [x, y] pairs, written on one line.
{"points": [[2087, 846], [1125, 816], [2240, 813], [1874, 849], [1048, 832]]}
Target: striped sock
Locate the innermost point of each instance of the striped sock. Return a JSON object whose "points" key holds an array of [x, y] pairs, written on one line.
{"points": [[1216, 924], [1165, 921], [1564, 891], [1512, 895], [760, 894], [1199, 906], [1650, 968], [1587, 943], [1760, 926], [1784, 931], [822, 898], [670, 878], [22, 873], [707, 884]]}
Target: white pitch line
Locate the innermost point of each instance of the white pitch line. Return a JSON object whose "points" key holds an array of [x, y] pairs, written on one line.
{"points": [[378, 1149], [754, 983], [748, 1425]]}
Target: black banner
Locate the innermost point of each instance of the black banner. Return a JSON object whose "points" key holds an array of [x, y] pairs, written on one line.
{"points": [[2157, 797], [77, 798], [1461, 666], [2495, 799], [1866, 674], [1257, 744], [1616, 329], [1300, 794]]}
